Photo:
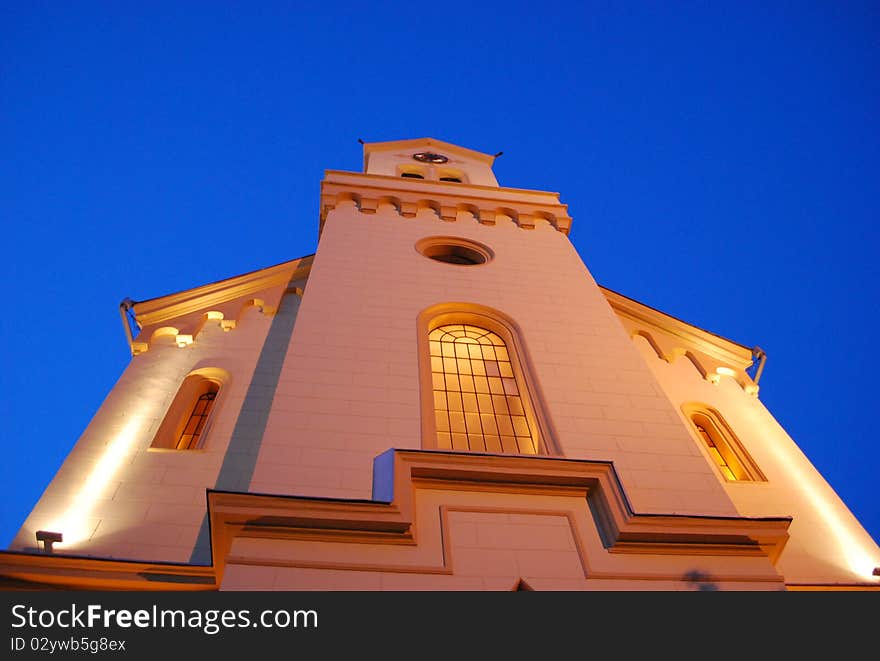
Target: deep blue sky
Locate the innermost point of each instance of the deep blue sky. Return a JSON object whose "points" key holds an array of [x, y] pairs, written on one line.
{"points": [[720, 162]]}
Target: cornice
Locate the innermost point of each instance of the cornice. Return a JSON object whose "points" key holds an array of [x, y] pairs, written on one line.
{"points": [[719, 348], [241, 516], [161, 309], [446, 199]]}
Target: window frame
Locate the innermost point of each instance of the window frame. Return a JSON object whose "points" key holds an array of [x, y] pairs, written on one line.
{"points": [[509, 332], [728, 445], [211, 390], [193, 386]]}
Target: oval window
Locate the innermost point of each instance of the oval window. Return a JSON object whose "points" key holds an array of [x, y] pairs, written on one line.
{"points": [[453, 250]]}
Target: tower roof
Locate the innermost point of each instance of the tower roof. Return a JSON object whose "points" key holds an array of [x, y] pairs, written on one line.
{"points": [[423, 143]]}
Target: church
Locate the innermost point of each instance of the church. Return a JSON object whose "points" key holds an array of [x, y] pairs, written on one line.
{"points": [[440, 397]]}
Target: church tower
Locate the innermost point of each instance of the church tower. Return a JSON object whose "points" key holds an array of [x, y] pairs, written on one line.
{"points": [[440, 397]]}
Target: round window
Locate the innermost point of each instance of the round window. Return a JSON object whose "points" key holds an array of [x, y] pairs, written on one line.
{"points": [[430, 157], [452, 250]]}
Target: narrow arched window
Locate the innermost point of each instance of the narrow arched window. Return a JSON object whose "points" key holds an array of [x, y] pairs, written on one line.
{"points": [[712, 443], [480, 405], [723, 447], [186, 421], [195, 423]]}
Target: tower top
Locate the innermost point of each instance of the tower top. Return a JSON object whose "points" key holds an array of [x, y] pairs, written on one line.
{"points": [[431, 159]]}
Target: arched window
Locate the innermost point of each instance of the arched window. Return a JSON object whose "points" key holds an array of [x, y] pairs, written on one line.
{"points": [[185, 425], [195, 424], [479, 402], [722, 445]]}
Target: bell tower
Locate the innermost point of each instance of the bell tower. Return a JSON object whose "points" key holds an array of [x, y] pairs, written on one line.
{"points": [[426, 238], [431, 160]]}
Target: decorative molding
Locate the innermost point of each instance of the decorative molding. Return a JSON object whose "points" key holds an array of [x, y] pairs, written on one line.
{"points": [[138, 348], [407, 196], [154, 312], [392, 524], [670, 338], [210, 296], [721, 349]]}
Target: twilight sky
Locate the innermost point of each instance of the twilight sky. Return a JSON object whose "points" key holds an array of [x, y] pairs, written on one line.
{"points": [[720, 162]]}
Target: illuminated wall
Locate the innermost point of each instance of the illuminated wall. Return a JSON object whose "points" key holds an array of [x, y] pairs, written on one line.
{"points": [[119, 496], [828, 545]]}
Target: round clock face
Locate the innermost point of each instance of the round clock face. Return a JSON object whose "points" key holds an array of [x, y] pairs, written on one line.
{"points": [[428, 157]]}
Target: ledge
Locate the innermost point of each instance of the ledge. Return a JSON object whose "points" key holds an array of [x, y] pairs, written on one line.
{"points": [[407, 196], [40, 571]]}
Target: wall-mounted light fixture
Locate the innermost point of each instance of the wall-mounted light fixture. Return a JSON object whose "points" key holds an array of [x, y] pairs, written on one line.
{"points": [[48, 538]]}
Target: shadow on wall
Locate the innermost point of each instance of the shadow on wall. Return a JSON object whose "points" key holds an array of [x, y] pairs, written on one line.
{"points": [[247, 435], [700, 581]]}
